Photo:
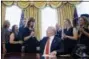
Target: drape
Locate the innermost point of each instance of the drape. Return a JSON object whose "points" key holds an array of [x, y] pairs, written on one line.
{"points": [[3, 11], [22, 4], [55, 4], [40, 4], [66, 11], [8, 3], [40, 0]]}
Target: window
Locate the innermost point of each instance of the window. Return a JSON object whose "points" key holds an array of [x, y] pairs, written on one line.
{"points": [[13, 14], [83, 8], [49, 18]]}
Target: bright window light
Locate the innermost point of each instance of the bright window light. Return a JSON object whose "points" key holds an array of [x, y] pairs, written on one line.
{"points": [[83, 8], [49, 18], [13, 14]]}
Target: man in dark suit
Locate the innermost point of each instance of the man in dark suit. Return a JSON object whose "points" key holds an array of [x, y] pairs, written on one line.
{"points": [[58, 31], [21, 29], [51, 45]]}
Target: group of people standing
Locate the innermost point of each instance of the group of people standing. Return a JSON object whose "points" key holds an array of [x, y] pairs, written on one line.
{"points": [[16, 39], [73, 34], [59, 40]]}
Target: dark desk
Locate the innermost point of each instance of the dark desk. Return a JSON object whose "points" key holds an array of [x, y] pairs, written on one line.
{"points": [[28, 56]]}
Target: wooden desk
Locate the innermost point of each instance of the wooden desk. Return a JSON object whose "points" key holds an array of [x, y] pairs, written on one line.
{"points": [[27, 56]]}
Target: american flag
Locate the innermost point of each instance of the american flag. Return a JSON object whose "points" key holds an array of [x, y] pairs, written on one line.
{"points": [[21, 19], [75, 16]]}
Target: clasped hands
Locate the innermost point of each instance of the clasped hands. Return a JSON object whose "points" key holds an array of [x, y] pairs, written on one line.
{"points": [[32, 34]]}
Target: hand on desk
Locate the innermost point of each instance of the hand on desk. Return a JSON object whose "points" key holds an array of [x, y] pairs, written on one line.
{"points": [[53, 53], [50, 56]]}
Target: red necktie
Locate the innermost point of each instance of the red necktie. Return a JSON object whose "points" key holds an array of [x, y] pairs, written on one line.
{"points": [[47, 47]]}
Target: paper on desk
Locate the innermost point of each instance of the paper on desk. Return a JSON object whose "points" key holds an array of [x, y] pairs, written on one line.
{"points": [[47, 55]]}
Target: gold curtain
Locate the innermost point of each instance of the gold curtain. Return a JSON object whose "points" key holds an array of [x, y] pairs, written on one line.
{"points": [[23, 5], [3, 9], [55, 4], [40, 4], [66, 11], [34, 12], [41, 0], [8, 3]]}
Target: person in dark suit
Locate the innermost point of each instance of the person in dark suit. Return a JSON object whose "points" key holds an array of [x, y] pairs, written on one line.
{"points": [[58, 31], [55, 44], [21, 29]]}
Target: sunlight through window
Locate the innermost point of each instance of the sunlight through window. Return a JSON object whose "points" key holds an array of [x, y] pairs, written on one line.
{"points": [[83, 8], [13, 14], [49, 18]]}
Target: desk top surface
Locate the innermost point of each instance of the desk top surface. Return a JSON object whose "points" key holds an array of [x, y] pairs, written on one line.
{"points": [[30, 56]]}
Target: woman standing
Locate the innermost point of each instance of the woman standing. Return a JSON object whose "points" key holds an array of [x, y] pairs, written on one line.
{"points": [[15, 43], [30, 41], [70, 37], [84, 32]]}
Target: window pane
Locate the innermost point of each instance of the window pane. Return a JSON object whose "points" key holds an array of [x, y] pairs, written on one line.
{"points": [[83, 8], [49, 18], [13, 14]]}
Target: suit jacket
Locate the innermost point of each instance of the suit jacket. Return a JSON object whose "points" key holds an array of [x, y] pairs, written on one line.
{"points": [[20, 33], [56, 45], [58, 33]]}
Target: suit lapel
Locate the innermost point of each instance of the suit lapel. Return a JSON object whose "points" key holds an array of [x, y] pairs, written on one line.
{"points": [[52, 44], [45, 40]]}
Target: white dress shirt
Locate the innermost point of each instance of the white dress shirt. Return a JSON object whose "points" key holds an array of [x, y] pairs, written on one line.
{"points": [[51, 40]]}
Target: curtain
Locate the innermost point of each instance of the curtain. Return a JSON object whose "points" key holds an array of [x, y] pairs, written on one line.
{"points": [[3, 9], [66, 11], [40, 4], [41, 0]]}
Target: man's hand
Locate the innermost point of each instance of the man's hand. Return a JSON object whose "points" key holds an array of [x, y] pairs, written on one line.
{"points": [[53, 53]]}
